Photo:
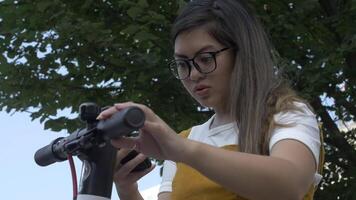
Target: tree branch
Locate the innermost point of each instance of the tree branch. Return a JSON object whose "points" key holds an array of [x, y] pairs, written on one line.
{"points": [[336, 137]]}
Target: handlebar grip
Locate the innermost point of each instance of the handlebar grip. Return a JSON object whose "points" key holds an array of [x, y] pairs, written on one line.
{"points": [[122, 123], [46, 155]]}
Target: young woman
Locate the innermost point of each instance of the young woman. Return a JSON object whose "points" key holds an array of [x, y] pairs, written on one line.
{"points": [[263, 142]]}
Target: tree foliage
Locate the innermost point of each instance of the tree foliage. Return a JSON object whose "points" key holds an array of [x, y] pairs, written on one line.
{"points": [[57, 54]]}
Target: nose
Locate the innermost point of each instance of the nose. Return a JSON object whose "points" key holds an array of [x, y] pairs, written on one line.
{"points": [[195, 74]]}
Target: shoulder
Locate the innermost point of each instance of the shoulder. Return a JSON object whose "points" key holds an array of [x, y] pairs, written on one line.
{"points": [[299, 116], [298, 124], [298, 121], [299, 111]]}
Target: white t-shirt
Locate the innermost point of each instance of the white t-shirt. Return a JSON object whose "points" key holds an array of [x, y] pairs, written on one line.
{"points": [[304, 128]]}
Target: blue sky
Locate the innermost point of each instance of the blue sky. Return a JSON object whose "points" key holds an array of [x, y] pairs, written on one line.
{"points": [[22, 178]]}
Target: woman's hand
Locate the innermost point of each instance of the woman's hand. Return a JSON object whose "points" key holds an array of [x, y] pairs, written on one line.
{"points": [[125, 180], [156, 138]]}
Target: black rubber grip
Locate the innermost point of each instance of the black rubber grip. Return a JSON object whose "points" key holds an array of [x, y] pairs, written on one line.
{"points": [[122, 123], [46, 155]]}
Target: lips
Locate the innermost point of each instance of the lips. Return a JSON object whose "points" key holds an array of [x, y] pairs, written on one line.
{"points": [[201, 90]]}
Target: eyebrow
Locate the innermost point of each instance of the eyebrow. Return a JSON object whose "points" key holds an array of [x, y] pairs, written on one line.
{"points": [[199, 51]]}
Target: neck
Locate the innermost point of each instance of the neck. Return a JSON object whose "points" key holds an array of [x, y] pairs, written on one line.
{"points": [[221, 118]]}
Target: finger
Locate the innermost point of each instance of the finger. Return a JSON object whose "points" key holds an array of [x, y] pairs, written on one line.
{"points": [[120, 106], [117, 107], [134, 176], [131, 164], [120, 154], [107, 113], [124, 142], [149, 114]]}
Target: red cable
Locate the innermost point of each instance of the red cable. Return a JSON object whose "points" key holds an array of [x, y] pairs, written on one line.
{"points": [[74, 176]]}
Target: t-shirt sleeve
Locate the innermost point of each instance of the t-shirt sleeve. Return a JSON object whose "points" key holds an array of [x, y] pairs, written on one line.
{"points": [[302, 126], [169, 170]]}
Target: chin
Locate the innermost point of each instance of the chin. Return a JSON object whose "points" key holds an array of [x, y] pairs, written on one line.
{"points": [[205, 103]]}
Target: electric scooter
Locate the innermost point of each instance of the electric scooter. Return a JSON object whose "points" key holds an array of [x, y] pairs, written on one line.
{"points": [[92, 146]]}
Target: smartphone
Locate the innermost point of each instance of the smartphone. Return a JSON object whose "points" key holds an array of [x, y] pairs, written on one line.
{"points": [[140, 167]]}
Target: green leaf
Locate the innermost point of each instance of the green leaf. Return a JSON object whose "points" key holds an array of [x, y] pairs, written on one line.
{"points": [[134, 12], [43, 5], [131, 29], [181, 4], [143, 3], [144, 36]]}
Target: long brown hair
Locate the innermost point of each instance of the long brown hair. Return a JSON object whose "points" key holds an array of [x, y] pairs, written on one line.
{"points": [[257, 92]]}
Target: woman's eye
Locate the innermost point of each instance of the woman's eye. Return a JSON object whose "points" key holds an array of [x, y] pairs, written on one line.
{"points": [[205, 59]]}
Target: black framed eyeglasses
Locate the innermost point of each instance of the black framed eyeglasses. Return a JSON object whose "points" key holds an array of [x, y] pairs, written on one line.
{"points": [[204, 62]]}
